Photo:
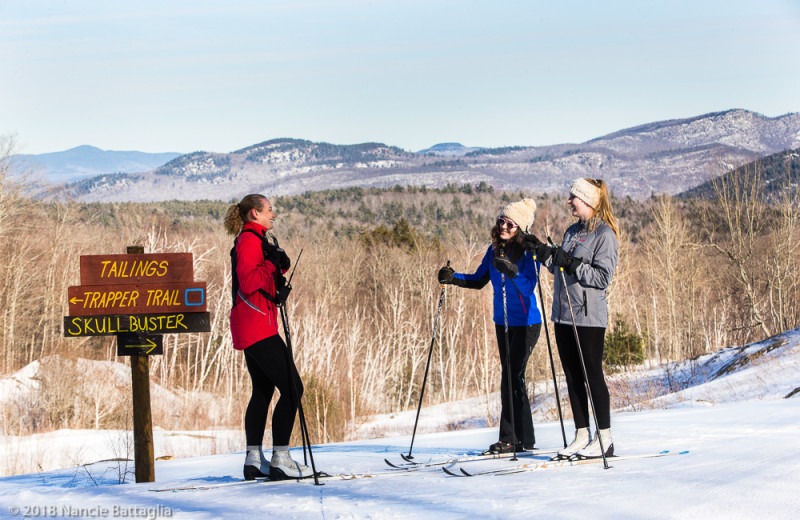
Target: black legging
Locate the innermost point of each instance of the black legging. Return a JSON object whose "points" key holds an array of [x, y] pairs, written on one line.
{"points": [[521, 341], [592, 342], [268, 364]]}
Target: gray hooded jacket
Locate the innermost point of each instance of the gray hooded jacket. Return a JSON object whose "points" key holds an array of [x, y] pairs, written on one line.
{"points": [[598, 252]]}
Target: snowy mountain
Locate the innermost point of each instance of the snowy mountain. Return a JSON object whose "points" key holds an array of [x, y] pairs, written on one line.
{"points": [[449, 149], [88, 161], [738, 129], [730, 421], [661, 157]]}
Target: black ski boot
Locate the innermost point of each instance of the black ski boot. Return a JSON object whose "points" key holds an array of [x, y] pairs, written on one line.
{"points": [[503, 447]]}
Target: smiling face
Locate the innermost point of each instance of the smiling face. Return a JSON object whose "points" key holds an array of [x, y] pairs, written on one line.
{"points": [[579, 208], [508, 228], [264, 216]]}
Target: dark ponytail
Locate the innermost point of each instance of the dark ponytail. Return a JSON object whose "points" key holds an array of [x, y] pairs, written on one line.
{"points": [[238, 214]]}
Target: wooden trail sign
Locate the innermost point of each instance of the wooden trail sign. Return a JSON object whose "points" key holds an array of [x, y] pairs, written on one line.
{"points": [[138, 268], [110, 325], [138, 297]]}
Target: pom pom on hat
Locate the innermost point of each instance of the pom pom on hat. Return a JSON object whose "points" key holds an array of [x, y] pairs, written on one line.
{"points": [[586, 191], [522, 213]]}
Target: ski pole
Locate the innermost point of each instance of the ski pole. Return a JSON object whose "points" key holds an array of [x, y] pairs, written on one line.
{"points": [[508, 370], [583, 364], [306, 439], [303, 425], [550, 354], [297, 260], [427, 367]]}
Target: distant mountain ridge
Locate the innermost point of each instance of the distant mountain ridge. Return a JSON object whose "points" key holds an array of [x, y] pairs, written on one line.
{"points": [[661, 157], [449, 149], [735, 128], [87, 161]]}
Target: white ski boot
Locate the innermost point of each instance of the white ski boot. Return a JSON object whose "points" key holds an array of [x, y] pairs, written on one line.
{"points": [[582, 439], [282, 467], [255, 464], [593, 451]]}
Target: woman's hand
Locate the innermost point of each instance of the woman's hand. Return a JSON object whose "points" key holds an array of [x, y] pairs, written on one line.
{"points": [[446, 275], [563, 259], [537, 248], [505, 266]]}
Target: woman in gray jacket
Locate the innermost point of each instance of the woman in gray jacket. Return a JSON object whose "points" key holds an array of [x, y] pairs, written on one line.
{"points": [[588, 255]]}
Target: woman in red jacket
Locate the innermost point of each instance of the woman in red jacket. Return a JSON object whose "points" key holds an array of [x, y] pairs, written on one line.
{"points": [[257, 268]]}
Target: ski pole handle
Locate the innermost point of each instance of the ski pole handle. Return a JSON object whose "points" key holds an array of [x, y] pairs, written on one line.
{"points": [[448, 265], [550, 241]]}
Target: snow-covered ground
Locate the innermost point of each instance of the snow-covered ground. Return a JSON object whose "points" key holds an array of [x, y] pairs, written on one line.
{"points": [[737, 412]]}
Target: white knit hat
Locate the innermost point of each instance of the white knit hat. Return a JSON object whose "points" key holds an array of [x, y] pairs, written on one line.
{"points": [[522, 213], [586, 191]]}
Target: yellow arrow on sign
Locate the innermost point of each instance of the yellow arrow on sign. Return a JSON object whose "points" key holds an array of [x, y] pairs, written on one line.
{"points": [[75, 301], [152, 345]]}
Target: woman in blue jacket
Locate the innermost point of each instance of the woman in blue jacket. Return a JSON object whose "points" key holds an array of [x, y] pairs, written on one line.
{"points": [[506, 261]]}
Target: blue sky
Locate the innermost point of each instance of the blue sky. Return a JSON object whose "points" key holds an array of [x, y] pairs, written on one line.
{"points": [[182, 76]]}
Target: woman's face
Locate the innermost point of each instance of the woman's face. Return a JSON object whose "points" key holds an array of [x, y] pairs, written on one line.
{"points": [[508, 228], [579, 208], [265, 215]]}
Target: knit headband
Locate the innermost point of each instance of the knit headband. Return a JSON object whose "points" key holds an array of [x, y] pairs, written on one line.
{"points": [[586, 191]]}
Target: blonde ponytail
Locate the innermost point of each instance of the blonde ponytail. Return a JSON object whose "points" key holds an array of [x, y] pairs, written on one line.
{"points": [[603, 210]]}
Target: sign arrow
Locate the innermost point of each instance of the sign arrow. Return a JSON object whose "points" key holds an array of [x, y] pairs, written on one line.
{"points": [[151, 345], [135, 345], [75, 301]]}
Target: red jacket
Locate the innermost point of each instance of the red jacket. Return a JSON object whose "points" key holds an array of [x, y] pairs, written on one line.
{"points": [[253, 317]]}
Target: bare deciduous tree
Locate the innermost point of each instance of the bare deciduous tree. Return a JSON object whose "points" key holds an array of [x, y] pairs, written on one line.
{"points": [[740, 207], [781, 258]]}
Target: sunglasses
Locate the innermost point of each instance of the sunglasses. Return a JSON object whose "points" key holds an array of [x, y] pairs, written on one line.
{"points": [[502, 221]]}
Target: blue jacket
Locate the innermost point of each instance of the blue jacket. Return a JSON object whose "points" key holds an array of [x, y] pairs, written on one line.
{"points": [[521, 301]]}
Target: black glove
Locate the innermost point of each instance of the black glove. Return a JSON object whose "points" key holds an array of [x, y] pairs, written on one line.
{"points": [[537, 248], [505, 266], [284, 263], [446, 275], [282, 290], [563, 259], [283, 294], [277, 256]]}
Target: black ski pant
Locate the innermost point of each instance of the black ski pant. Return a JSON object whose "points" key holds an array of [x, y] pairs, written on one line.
{"points": [[592, 343], [521, 341], [269, 366]]}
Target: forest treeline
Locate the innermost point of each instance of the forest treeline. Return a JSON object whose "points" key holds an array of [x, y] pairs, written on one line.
{"points": [[694, 275]]}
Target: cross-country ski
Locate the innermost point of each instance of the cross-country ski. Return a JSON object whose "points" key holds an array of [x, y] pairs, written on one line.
{"points": [[189, 486], [469, 458], [508, 470]]}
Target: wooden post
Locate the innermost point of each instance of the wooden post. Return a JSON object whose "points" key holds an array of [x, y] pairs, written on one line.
{"points": [[144, 459], [142, 420]]}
